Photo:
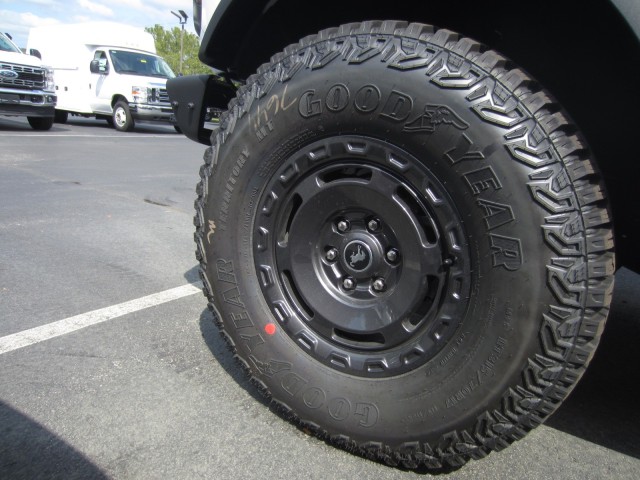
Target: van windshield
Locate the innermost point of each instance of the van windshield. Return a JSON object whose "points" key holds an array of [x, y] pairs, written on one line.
{"points": [[135, 63]]}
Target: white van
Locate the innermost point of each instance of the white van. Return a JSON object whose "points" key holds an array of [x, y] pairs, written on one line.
{"points": [[106, 70]]}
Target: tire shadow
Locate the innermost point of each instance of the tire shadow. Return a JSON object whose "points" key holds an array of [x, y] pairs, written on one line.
{"points": [[193, 274], [29, 451], [602, 407]]}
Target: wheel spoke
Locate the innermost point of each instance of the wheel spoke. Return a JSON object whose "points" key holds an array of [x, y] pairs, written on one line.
{"points": [[309, 188], [382, 184], [431, 261], [283, 256]]}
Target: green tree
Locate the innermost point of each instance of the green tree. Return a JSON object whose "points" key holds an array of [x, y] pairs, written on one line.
{"points": [[168, 47]]}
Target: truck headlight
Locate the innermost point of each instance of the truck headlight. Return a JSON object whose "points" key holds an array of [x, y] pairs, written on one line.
{"points": [[49, 84], [140, 94]]}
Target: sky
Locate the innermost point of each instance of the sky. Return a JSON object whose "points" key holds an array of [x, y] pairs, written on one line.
{"points": [[17, 16]]}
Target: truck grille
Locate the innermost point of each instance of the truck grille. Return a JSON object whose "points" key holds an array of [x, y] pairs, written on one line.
{"points": [[160, 95], [28, 77], [163, 96]]}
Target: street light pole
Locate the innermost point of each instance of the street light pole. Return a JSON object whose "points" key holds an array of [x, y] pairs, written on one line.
{"points": [[182, 18]]}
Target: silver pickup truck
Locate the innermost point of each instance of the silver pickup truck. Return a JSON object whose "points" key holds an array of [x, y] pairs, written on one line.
{"points": [[26, 86]]}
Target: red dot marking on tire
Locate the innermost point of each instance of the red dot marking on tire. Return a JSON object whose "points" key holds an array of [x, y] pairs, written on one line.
{"points": [[270, 328]]}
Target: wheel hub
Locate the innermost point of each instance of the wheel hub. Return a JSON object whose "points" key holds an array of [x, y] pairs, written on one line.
{"points": [[365, 280], [120, 117], [358, 256]]}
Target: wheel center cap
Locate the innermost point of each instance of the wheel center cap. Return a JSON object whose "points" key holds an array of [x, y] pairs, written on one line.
{"points": [[357, 255]]}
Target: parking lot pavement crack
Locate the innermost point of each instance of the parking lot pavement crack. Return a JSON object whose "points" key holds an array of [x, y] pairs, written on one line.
{"points": [[166, 203]]}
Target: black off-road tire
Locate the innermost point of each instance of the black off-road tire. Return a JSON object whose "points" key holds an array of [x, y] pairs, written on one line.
{"points": [[61, 116], [122, 119], [40, 123], [406, 243]]}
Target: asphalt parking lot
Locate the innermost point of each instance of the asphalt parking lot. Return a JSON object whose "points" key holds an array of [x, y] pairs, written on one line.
{"points": [[111, 367]]}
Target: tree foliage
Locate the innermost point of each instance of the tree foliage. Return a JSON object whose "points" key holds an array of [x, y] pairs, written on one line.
{"points": [[168, 47]]}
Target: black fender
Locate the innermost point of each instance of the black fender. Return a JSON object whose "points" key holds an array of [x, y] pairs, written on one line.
{"points": [[243, 34], [190, 96]]}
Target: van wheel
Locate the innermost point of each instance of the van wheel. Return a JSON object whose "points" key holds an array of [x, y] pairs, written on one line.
{"points": [[405, 242], [40, 123], [122, 119]]}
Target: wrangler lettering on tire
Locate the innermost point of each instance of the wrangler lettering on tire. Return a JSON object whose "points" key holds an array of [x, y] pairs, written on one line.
{"points": [[407, 244]]}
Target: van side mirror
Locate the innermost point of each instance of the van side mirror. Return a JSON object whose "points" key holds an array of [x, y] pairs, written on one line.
{"points": [[35, 53], [99, 67]]}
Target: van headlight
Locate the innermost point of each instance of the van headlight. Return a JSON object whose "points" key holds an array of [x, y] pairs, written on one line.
{"points": [[49, 84], [140, 94]]}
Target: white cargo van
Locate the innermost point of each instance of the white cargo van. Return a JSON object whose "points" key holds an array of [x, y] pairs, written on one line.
{"points": [[106, 70]]}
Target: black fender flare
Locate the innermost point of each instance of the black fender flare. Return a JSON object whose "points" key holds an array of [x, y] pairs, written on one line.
{"points": [[190, 96]]}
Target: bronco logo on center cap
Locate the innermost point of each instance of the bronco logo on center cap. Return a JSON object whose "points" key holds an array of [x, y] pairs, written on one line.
{"points": [[358, 255]]}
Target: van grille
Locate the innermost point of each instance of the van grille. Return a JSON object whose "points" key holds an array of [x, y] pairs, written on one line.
{"points": [[160, 95], [28, 77]]}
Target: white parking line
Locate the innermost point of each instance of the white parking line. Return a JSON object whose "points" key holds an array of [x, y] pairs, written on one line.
{"points": [[25, 338]]}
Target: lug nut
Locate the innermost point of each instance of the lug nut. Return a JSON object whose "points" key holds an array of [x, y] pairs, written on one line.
{"points": [[343, 226], [379, 284], [392, 255], [331, 254], [448, 262], [373, 225], [349, 283]]}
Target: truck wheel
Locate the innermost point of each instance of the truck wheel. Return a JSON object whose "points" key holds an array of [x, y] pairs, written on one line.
{"points": [[122, 119], [40, 123], [406, 243], [61, 116]]}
